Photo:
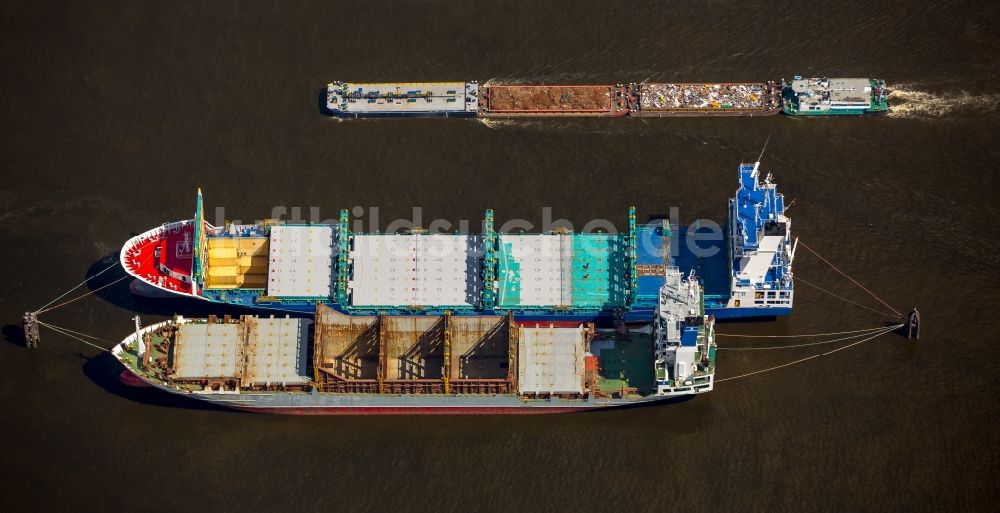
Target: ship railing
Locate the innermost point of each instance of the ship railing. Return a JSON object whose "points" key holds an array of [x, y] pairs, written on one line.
{"points": [[434, 386]]}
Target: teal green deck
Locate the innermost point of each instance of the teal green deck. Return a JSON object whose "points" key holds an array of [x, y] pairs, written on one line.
{"points": [[598, 272]]}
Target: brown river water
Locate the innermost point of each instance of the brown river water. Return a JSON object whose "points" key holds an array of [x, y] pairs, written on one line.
{"points": [[113, 113]]}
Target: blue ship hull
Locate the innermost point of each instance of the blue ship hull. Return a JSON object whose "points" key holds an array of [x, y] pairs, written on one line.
{"points": [[602, 318], [747, 313], [713, 272]]}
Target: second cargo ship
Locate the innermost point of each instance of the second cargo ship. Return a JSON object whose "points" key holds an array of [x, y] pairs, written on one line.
{"points": [[606, 278]]}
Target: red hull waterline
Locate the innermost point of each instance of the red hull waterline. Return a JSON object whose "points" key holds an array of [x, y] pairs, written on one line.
{"points": [[443, 410], [129, 379]]}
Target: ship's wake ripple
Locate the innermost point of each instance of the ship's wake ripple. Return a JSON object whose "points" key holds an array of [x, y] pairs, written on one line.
{"points": [[603, 126], [908, 102]]}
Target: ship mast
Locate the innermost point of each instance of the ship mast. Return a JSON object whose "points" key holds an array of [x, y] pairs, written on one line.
{"points": [[140, 345], [199, 230]]}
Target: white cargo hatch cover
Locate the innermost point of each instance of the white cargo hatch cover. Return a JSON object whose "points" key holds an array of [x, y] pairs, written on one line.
{"points": [[300, 261], [550, 360], [409, 270]]}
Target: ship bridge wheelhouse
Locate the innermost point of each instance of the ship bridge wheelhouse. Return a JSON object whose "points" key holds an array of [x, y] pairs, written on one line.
{"points": [[761, 245], [684, 336]]}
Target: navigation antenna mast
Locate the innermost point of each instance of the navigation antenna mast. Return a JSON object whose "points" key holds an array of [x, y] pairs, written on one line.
{"points": [[765, 146], [140, 345]]}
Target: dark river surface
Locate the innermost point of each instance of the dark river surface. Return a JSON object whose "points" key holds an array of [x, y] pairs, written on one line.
{"points": [[113, 113]]}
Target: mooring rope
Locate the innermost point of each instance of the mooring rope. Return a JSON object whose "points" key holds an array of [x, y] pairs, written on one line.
{"points": [[842, 273], [64, 294], [821, 289], [868, 330], [99, 339], [64, 331], [82, 296], [801, 360], [809, 344]]}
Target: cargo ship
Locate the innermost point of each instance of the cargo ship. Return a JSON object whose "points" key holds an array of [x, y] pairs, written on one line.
{"points": [[834, 97], [812, 96], [604, 278], [445, 364]]}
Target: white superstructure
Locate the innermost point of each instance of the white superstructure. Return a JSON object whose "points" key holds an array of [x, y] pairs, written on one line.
{"points": [[684, 337]]}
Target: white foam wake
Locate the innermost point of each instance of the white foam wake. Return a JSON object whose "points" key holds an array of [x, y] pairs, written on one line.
{"points": [[908, 102]]}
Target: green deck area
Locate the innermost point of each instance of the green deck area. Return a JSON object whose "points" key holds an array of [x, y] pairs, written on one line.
{"points": [[876, 105], [628, 363], [598, 270], [510, 277], [597, 265], [131, 359]]}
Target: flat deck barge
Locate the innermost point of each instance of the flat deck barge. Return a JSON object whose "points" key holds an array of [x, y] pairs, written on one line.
{"points": [[402, 99], [553, 100]]}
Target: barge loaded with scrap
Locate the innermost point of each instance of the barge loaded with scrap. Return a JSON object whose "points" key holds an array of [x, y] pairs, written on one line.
{"points": [[553, 100], [470, 99], [726, 99], [604, 278], [343, 364]]}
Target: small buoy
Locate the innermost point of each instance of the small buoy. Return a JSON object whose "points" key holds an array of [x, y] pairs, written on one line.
{"points": [[30, 324]]}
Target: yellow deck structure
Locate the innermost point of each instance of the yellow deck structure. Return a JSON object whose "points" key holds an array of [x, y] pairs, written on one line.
{"points": [[236, 262]]}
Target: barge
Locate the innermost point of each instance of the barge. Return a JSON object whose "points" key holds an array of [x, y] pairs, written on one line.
{"points": [[720, 99], [402, 99], [553, 100], [800, 97], [340, 364], [604, 278]]}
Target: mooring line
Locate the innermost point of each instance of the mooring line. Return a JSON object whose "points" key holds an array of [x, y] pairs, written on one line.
{"points": [[842, 273], [64, 294], [821, 289], [82, 296], [66, 333], [876, 335], [880, 330], [71, 331], [867, 330]]}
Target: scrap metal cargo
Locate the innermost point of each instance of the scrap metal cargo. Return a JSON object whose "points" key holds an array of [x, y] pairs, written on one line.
{"points": [[558, 100], [728, 99]]}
